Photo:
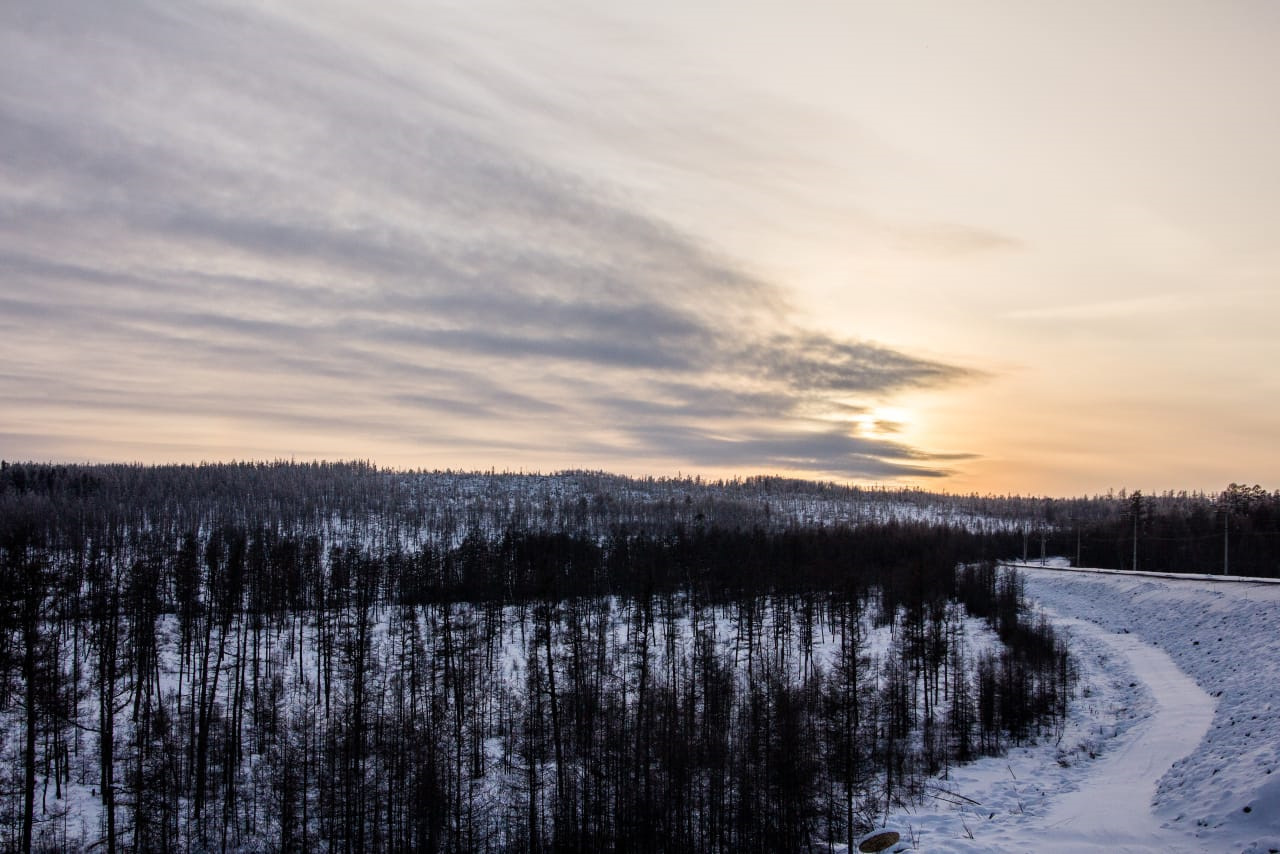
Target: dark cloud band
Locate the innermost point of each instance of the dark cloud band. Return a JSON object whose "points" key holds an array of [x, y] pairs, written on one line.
{"points": [[220, 194]]}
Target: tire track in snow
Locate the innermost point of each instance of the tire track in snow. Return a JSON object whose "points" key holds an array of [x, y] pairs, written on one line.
{"points": [[1113, 810]]}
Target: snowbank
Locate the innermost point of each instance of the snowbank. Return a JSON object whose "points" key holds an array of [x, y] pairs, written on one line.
{"points": [[1226, 793], [1173, 745]]}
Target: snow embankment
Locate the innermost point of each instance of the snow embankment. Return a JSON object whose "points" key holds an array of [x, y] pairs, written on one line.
{"points": [[1172, 744], [1112, 809], [1224, 795]]}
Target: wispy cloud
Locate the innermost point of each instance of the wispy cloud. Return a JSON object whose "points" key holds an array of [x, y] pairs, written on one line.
{"points": [[214, 212], [1110, 309], [952, 240]]}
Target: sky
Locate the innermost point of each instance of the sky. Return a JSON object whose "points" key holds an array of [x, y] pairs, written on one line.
{"points": [[969, 246]]}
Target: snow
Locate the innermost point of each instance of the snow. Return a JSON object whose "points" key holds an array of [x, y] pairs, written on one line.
{"points": [[1114, 809], [1172, 745]]}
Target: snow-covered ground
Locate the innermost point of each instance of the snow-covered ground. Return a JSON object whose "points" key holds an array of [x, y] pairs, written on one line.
{"points": [[1172, 746], [1173, 743]]}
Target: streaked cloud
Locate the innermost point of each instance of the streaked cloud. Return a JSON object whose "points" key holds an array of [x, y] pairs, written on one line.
{"points": [[219, 214], [1110, 309], [952, 240]]}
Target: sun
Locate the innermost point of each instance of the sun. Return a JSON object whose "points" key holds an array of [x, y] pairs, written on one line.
{"points": [[882, 421]]}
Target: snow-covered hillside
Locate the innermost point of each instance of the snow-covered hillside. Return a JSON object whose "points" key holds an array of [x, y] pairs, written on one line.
{"points": [[1174, 744]]}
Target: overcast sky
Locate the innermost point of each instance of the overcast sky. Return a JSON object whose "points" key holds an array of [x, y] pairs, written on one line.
{"points": [[1007, 246]]}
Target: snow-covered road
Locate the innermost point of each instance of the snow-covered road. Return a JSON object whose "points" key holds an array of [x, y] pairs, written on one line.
{"points": [[1171, 745], [1112, 809], [1223, 796]]}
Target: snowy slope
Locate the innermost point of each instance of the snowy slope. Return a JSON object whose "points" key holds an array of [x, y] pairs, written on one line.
{"points": [[1174, 744], [1111, 809]]}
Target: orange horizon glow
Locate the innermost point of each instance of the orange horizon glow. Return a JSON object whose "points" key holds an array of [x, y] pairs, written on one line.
{"points": [[1000, 250]]}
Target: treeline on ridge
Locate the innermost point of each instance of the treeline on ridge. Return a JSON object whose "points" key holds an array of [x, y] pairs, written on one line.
{"points": [[1236, 531]]}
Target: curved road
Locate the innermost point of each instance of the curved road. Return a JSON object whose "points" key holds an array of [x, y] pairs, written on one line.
{"points": [[1112, 810]]}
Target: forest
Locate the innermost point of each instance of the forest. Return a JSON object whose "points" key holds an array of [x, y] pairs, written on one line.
{"points": [[297, 657], [1236, 531]]}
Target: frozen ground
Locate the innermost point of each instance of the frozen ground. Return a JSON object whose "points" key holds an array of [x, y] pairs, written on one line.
{"points": [[1172, 746]]}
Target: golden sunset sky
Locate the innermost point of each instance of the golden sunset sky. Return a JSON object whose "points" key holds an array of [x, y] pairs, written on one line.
{"points": [[996, 247]]}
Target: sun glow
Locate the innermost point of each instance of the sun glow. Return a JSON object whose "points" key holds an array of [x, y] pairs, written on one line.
{"points": [[881, 421]]}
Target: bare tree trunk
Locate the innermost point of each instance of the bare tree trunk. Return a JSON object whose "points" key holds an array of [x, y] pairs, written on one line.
{"points": [[108, 632], [30, 638]]}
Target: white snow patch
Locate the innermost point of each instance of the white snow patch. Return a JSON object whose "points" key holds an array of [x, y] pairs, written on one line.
{"points": [[1113, 809], [1174, 744]]}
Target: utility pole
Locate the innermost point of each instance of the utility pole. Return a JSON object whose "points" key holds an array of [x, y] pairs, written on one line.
{"points": [[1226, 517], [1135, 507], [1135, 541], [1042, 546]]}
